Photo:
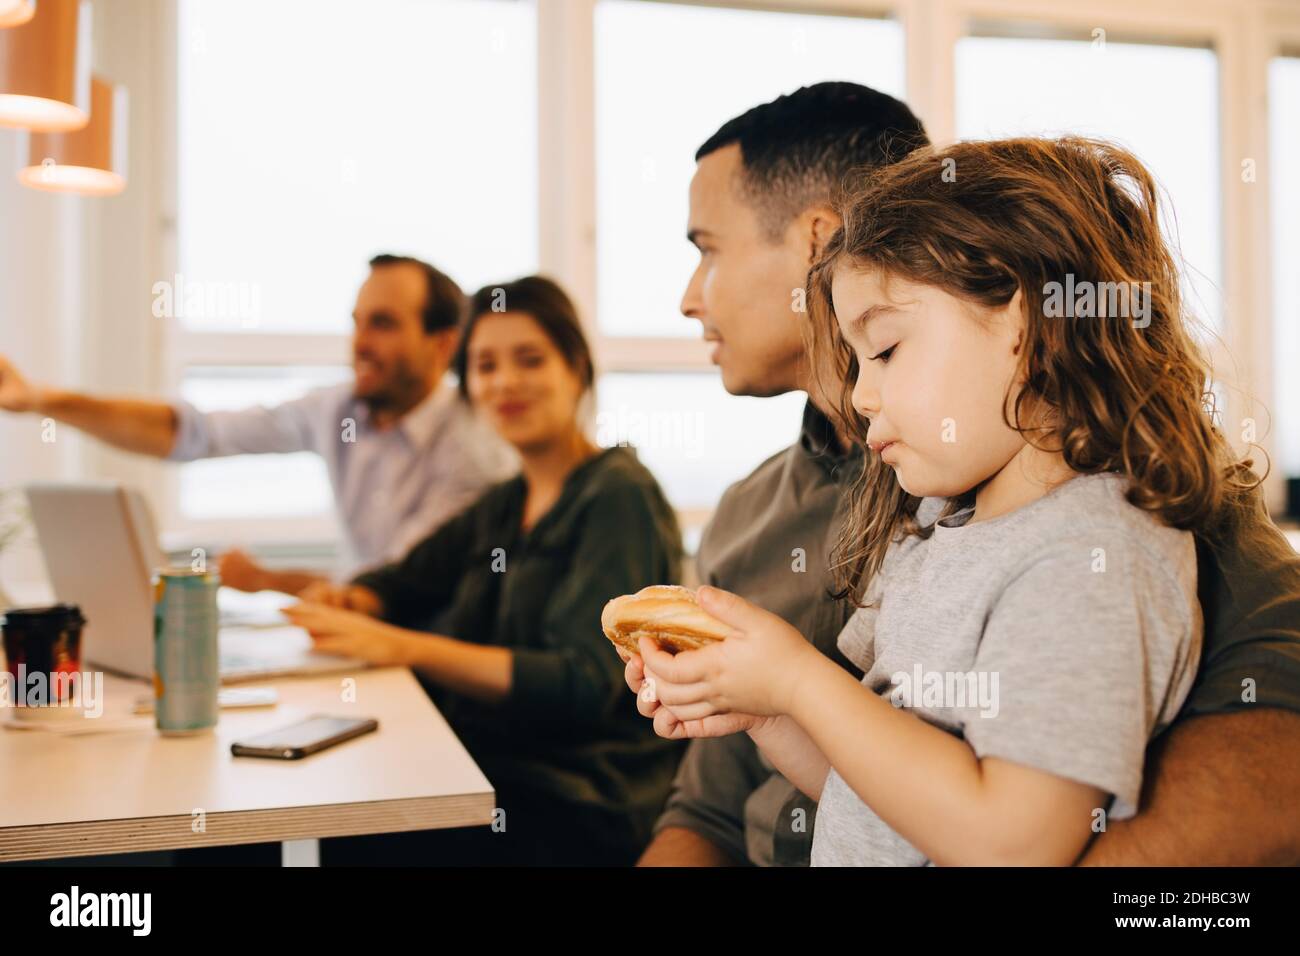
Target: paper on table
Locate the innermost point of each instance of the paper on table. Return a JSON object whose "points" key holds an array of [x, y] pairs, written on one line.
{"points": [[227, 698], [74, 726]]}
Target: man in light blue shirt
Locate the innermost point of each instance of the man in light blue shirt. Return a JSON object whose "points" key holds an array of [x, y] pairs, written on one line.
{"points": [[403, 450]]}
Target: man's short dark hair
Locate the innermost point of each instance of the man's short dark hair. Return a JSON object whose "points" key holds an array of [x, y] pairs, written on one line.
{"points": [[798, 149], [444, 306]]}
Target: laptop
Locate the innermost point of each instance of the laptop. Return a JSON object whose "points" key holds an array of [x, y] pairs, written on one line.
{"points": [[101, 551]]}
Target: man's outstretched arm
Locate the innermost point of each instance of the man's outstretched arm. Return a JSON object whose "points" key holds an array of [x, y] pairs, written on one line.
{"points": [[1220, 790], [137, 425]]}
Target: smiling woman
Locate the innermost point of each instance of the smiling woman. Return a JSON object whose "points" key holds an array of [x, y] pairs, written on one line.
{"points": [[498, 612]]}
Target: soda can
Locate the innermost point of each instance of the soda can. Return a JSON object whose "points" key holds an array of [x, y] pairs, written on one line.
{"points": [[186, 673]]}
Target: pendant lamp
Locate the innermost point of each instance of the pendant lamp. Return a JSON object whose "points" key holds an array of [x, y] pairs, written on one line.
{"points": [[14, 13], [45, 68], [90, 161]]}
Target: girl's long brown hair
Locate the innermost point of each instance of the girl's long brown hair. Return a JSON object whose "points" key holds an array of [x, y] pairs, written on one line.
{"points": [[981, 220]]}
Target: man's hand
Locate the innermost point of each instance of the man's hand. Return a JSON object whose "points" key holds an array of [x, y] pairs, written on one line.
{"points": [[1220, 790], [16, 395], [238, 570]]}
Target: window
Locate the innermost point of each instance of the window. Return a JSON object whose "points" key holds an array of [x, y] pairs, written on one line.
{"points": [[364, 146], [667, 76], [293, 485], [695, 437], [1150, 98]]}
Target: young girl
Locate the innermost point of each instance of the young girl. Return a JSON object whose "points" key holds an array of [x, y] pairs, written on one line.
{"points": [[1009, 338]]}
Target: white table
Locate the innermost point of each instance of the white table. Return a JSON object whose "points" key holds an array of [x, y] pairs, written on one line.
{"points": [[128, 789]]}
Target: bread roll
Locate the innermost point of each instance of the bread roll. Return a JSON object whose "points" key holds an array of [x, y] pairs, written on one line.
{"points": [[665, 612]]}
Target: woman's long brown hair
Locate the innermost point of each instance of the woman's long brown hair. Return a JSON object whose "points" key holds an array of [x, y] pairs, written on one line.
{"points": [[981, 220]]}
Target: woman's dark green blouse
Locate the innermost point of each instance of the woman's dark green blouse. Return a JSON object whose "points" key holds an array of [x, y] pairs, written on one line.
{"points": [[569, 727]]}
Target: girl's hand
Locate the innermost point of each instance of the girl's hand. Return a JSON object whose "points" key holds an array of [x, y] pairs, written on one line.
{"points": [[350, 634], [757, 670], [665, 723]]}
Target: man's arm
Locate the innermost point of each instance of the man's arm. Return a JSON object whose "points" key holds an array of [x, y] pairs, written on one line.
{"points": [[703, 821], [132, 424], [1220, 790], [177, 431], [678, 846], [136, 425], [238, 570], [1222, 785], [290, 581]]}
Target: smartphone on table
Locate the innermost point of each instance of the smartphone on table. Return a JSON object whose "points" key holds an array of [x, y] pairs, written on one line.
{"points": [[309, 736]]}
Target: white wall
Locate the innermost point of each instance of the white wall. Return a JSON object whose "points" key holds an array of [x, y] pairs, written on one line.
{"points": [[40, 240], [75, 285]]}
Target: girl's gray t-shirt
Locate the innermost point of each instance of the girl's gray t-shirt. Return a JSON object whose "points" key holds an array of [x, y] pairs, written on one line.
{"points": [[1061, 636]]}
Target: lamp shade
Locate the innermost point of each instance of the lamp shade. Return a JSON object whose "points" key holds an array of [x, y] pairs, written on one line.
{"points": [[90, 161], [14, 13], [45, 68]]}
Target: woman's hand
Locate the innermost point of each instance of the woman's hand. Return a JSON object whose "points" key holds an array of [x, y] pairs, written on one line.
{"points": [[352, 597], [352, 634], [757, 670], [666, 723]]}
